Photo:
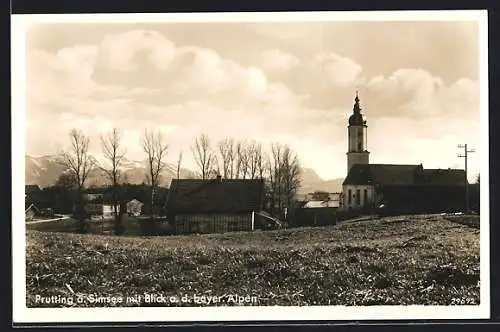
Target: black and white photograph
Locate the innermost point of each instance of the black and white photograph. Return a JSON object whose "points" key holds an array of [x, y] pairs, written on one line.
{"points": [[250, 166]]}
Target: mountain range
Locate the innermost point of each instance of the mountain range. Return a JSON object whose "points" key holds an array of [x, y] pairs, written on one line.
{"points": [[45, 170]]}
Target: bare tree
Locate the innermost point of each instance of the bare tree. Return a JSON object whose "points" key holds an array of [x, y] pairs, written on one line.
{"points": [[226, 150], [179, 161], [253, 158], [270, 183], [114, 156], [275, 169], [242, 168], [203, 155], [290, 176], [79, 163], [156, 149], [215, 169], [261, 161], [283, 171]]}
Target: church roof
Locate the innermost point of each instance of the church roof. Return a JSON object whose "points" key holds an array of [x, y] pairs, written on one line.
{"points": [[444, 176], [382, 174], [397, 175]]}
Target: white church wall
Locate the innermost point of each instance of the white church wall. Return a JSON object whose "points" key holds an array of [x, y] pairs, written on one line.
{"points": [[355, 203]]}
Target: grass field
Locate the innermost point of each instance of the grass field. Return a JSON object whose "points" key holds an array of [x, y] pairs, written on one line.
{"points": [[469, 220], [398, 260], [130, 224]]}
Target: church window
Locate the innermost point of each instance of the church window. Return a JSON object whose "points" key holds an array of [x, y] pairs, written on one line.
{"points": [[349, 197], [358, 197], [365, 198], [359, 146]]}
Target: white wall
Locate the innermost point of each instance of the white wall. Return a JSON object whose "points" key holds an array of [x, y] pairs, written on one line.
{"points": [[353, 204], [108, 211]]}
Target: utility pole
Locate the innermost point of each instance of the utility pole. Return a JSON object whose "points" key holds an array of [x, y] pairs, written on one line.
{"points": [[465, 155]]}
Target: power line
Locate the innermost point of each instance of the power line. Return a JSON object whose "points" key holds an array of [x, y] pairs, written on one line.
{"points": [[465, 155]]}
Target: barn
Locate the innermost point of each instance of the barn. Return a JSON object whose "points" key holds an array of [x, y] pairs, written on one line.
{"points": [[215, 205]]}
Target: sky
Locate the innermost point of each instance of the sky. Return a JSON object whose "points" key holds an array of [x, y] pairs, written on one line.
{"points": [[292, 83]]}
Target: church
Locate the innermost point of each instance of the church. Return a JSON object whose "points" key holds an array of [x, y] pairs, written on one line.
{"points": [[405, 188]]}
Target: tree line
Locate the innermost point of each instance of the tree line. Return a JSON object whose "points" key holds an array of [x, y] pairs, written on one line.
{"points": [[278, 166]]}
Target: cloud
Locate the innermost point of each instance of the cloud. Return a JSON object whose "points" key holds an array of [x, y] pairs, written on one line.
{"points": [[122, 52], [67, 72], [141, 79], [328, 79], [336, 69], [416, 93], [275, 60]]}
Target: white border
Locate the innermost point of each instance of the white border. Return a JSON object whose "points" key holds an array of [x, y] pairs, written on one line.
{"points": [[21, 314]]}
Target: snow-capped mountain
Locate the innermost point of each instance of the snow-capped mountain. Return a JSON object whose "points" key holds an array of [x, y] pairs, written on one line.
{"points": [[45, 170], [42, 170]]}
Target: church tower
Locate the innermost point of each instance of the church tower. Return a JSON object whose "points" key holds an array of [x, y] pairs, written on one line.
{"points": [[357, 152]]}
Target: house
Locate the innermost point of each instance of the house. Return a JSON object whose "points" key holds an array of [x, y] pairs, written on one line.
{"points": [[214, 206], [101, 208], [31, 188], [319, 210], [92, 196], [134, 207], [39, 199], [31, 212], [322, 196], [321, 204]]}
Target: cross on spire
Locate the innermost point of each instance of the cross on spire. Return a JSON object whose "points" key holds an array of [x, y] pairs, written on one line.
{"points": [[356, 108]]}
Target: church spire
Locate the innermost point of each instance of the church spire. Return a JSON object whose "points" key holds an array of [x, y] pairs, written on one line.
{"points": [[356, 119], [356, 108]]}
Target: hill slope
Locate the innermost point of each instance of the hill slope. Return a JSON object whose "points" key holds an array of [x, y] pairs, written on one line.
{"points": [[350, 264]]}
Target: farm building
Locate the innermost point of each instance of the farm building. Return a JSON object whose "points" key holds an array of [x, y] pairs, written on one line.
{"points": [[134, 200], [215, 205], [101, 207], [31, 188], [316, 216], [322, 196], [101, 210], [38, 198], [93, 194], [322, 204], [31, 212]]}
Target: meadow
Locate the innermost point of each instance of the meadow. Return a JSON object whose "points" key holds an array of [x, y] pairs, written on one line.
{"points": [[389, 261]]}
